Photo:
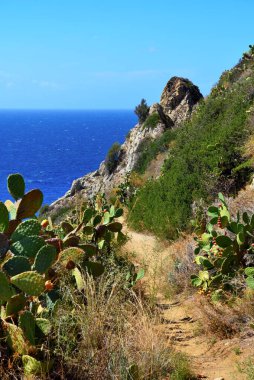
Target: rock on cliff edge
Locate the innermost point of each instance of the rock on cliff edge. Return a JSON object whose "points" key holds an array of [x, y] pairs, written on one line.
{"points": [[176, 105]]}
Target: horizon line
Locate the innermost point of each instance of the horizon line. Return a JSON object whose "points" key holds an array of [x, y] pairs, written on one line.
{"points": [[66, 109]]}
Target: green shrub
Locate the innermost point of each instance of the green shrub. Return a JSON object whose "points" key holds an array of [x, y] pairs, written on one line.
{"points": [[113, 157], [152, 121], [202, 162], [149, 149], [142, 111]]}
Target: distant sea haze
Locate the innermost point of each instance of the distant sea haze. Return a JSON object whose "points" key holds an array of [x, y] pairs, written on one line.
{"points": [[52, 148]]}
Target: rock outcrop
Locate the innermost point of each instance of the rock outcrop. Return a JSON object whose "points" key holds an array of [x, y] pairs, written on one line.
{"points": [[176, 105], [178, 99]]}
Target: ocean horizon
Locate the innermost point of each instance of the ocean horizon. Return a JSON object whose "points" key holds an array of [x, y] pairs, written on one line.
{"points": [[51, 148]]}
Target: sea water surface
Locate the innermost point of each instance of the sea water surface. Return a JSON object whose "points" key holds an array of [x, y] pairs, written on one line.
{"points": [[52, 148]]}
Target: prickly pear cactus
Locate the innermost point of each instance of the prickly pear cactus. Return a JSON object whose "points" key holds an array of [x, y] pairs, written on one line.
{"points": [[224, 251], [34, 255]]}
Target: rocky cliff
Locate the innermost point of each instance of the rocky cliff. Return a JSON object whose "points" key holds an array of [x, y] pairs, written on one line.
{"points": [[176, 105]]}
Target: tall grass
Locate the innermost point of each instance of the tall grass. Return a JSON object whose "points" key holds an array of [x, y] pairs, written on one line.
{"points": [[109, 333]]}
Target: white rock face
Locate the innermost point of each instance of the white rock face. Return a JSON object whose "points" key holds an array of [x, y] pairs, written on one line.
{"points": [[177, 101]]}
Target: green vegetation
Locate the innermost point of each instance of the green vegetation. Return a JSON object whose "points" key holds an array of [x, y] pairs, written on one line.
{"points": [[149, 149], [68, 303], [29, 290], [112, 157], [224, 253], [142, 111], [206, 158], [152, 121]]}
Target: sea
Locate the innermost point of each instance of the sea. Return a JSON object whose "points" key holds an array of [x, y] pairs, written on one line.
{"points": [[52, 148]]}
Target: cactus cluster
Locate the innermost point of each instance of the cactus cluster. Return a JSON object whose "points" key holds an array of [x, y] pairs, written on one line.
{"points": [[225, 251], [34, 255]]}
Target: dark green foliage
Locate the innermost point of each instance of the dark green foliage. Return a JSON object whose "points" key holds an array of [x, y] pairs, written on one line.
{"points": [[201, 163], [112, 158], [149, 149], [142, 111], [152, 121]]}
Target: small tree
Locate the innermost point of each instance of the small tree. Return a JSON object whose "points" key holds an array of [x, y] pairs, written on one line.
{"points": [[112, 157], [142, 111]]}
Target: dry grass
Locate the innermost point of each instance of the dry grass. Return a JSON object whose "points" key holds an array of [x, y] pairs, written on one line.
{"points": [[219, 319], [243, 202], [108, 333], [181, 265]]}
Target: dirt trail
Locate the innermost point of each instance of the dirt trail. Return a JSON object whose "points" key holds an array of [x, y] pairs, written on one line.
{"points": [[181, 320]]}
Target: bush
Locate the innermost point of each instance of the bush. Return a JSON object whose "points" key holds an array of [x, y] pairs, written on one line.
{"points": [[152, 121], [113, 157], [149, 149], [142, 111]]}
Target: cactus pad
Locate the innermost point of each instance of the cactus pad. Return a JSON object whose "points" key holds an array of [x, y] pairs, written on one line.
{"points": [[15, 338], [11, 209], [74, 254], [4, 217], [16, 265], [29, 227], [118, 213], [16, 185], [90, 249], [6, 291], [66, 227], [27, 324], [30, 282], [88, 213], [71, 241], [97, 220], [30, 204], [115, 227], [32, 367], [43, 325], [15, 304], [46, 256], [28, 246], [4, 244], [94, 268], [79, 279], [106, 218], [88, 230]]}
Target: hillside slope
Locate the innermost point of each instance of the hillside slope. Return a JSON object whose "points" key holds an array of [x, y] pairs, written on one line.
{"points": [[208, 156]]}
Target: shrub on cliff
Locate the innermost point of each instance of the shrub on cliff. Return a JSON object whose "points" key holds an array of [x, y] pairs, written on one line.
{"points": [[152, 121], [142, 111], [112, 158]]}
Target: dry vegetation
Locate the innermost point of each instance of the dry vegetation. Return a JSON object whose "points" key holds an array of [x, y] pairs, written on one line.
{"points": [[111, 334]]}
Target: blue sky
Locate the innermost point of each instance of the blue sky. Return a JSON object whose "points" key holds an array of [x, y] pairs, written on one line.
{"points": [[90, 54]]}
